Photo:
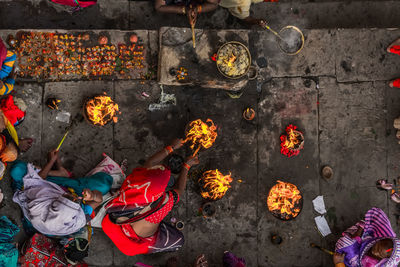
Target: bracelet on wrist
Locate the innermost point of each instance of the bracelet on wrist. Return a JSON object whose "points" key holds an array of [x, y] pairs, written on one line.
{"points": [[186, 166], [169, 149]]}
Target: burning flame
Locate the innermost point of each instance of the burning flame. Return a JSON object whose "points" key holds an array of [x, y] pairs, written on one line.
{"points": [[214, 184], [291, 142], [284, 198], [232, 59], [101, 109], [201, 135]]}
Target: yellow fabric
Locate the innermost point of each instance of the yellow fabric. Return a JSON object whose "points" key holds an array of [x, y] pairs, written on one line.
{"points": [[7, 88], [11, 130], [239, 8], [9, 63]]}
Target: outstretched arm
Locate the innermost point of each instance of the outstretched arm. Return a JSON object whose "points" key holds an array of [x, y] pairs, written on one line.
{"points": [[162, 7], [53, 155], [157, 158], [180, 185]]}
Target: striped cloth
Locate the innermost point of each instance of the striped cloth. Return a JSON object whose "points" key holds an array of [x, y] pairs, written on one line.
{"points": [[376, 227], [8, 86], [8, 64]]}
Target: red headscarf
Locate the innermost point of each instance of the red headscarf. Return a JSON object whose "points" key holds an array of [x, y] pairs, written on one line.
{"points": [[3, 52], [141, 187]]}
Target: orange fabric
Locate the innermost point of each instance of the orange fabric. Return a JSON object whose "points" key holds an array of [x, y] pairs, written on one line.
{"points": [[9, 154], [340, 264]]}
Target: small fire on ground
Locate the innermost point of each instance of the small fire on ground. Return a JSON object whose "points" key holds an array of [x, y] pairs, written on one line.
{"points": [[214, 184], [101, 109], [284, 201], [201, 135], [291, 142]]}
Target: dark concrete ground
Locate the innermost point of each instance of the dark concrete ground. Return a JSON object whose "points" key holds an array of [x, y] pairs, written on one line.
{"points": [[335, 91]]}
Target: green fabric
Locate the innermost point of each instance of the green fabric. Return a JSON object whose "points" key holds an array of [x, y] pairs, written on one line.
{"points": [[8, 251]]}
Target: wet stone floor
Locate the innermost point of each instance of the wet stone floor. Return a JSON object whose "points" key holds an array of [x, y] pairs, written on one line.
{"points": [[334, 92]]}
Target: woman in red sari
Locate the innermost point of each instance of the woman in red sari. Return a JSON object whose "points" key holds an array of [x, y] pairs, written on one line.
{"points": [[134, 220]]}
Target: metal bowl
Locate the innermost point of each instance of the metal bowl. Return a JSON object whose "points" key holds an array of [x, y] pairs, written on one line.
{"points": [[248, 55]]}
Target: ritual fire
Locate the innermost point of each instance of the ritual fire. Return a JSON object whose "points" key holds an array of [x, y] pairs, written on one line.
{"points": [[214, 184], [291, 142], [284, 201], [201, 134], [100, 110]]}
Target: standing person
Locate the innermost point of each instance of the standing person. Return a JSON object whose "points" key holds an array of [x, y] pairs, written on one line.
{"points": [[369, 243], [135, 217]]}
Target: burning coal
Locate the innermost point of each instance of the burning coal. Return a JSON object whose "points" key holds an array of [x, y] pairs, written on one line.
{"points": [[291, 142], [214, 184], [101, 109], [284, 201], [201, 135]]}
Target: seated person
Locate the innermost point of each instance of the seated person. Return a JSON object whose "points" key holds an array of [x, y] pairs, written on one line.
{"points": [[369, 243], [185, 6], [7, 73], [54, 203], [11, 145], [135, 217]]}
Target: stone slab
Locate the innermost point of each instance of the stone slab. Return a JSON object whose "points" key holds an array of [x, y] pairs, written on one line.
{"points": [[84, 145], [317, 58], [176, 50], [234, 227], [283, 102], [365, 57]]}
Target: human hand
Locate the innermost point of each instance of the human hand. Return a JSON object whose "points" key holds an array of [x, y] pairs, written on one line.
{"points": [[191, 161], [338, 258], [262, 23], [192, 15], [177, 143], [53, 155]]}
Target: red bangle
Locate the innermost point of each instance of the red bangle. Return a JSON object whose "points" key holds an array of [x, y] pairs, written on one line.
{"points": [[186, 166], [169, 149]]}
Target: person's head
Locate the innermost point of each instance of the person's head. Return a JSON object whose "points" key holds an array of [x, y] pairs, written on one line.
{"points": [[175, 163], [382, 249]]}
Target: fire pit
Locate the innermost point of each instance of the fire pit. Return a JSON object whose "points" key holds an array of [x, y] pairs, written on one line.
{"points": [[284, 201], [214, 184], [100, 110], [292, 142], [201, 134]]}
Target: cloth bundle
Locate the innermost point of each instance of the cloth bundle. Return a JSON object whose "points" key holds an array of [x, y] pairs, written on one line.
{"points": [[44, 205]]}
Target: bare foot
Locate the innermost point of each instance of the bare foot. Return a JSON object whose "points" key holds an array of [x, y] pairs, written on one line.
{"points": [[25, 144], [391, 84], [397, 42], [201, 261]]}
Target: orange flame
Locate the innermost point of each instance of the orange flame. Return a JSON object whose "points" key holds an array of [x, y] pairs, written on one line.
{"points": [[214, 184], [292, 141], [101, 109], [201, 135], [285, 199]]}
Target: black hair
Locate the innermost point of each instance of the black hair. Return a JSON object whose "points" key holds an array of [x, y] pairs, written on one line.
{"points": [[76, 250], [175, 163]]}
